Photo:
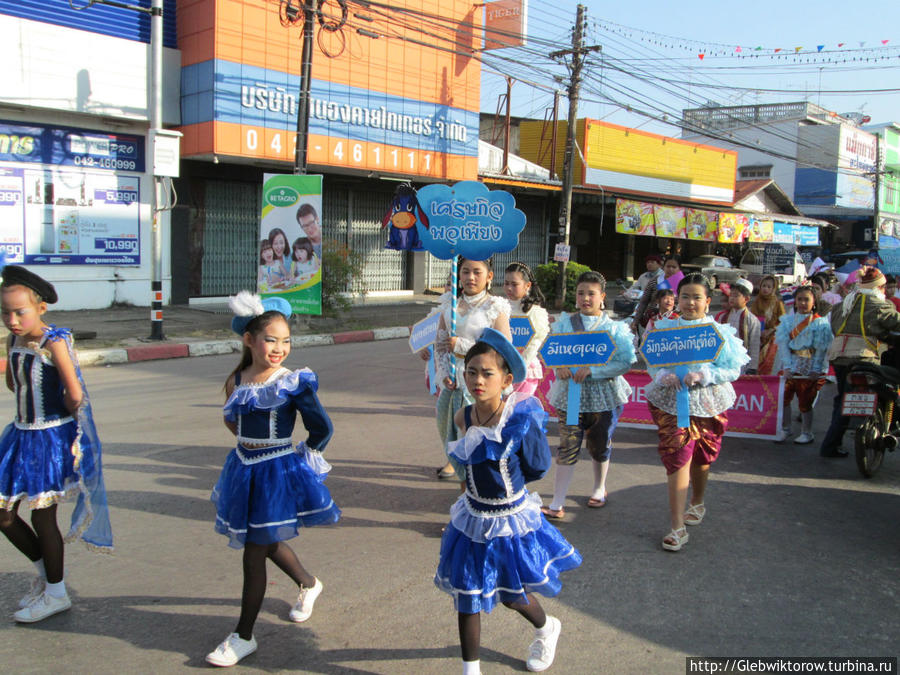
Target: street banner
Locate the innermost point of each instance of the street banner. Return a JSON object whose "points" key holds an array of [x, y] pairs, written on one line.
{"points": [[670, 221], [702, 225], [755, 414], [290, 246], [634, 218], [762, 231], [733, 228], [424, 333], [522, 331]]}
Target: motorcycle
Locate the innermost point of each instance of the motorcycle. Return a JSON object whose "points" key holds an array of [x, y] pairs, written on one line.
{"points": [[873, 394]]}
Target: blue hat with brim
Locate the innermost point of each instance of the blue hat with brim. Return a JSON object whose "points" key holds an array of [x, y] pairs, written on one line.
{"points": [[504, 347], [239, 323]]}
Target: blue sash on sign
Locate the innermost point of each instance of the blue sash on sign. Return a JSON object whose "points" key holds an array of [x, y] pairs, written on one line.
{"points": [[573, 403]]}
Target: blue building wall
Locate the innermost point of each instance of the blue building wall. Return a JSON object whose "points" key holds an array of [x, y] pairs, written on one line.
{"points": [[103, 19]]}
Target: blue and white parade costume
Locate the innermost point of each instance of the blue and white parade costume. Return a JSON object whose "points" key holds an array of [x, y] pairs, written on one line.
{"points": [[498, 546], [48, 453], [268, 488]]}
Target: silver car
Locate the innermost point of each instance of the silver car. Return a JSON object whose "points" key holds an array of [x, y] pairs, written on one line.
{"points": [[718, 268]]}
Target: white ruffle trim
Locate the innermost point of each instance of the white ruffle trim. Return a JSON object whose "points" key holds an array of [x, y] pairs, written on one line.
{"points": [[481, 527], [271, 394], [313, 458], [464, 447]]}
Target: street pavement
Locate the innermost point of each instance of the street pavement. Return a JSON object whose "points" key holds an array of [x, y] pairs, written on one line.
{"points": [[798, 556]]}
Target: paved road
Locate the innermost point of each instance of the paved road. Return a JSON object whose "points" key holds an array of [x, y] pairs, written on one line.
{"points": [[798, 556]]}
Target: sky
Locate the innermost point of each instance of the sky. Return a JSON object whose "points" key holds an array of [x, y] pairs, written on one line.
{"points": [[650, 58]]}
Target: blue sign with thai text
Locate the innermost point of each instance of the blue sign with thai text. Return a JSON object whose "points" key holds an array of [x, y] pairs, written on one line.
{"points": [[67, 146], [666, 347], [574, 350], [521, 330], [468, 219], [424, 332]]}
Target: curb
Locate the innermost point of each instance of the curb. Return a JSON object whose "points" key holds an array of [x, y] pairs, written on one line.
{"points": [[177, 350]]}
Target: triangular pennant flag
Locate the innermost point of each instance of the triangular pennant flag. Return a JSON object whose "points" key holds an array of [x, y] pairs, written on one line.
{"points": [[738, 49], [841, 44], [759, 49], [820, 47], [778, 50], [797, 50], [700, 56], [884, 42], [862, 43]]}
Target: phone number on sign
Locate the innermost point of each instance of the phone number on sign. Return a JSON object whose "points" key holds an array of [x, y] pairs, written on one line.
{"points": [[105, 162]]}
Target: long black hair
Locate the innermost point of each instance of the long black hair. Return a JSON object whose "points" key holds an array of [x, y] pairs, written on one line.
{"points": [[534, 296]]}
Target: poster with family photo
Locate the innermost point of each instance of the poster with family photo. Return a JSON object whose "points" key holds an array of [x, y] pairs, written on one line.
{"points": [[290, 241]]}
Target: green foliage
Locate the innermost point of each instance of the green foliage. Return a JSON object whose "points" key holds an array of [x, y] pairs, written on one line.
{"points": [[548, 273], [342, 272]]}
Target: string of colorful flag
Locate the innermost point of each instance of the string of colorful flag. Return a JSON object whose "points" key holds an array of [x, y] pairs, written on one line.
{"points": [[711, 49]]}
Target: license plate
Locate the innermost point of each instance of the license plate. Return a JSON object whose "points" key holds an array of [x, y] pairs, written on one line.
{"points": [[859, 405]]}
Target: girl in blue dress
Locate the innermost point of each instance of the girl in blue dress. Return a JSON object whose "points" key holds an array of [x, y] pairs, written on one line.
{"points": [[51, 450], [498, 547], [268, 488]]}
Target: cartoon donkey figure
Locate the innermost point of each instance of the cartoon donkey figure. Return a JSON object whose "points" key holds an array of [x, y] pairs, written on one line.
{"points": [[402, 216]]}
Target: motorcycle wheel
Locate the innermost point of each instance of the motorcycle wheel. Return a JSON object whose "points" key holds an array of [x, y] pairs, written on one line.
{"points": [[869, 448]]}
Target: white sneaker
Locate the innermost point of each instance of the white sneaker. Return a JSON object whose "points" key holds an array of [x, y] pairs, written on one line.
{"points": [[303, 608], [43, 606], [781, 435], [543, 649], [805, 438], [232, 650], [38, 584]]}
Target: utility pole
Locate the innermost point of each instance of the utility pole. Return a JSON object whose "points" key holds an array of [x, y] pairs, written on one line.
{"points": [[156, 54], [876, 225], [301, 140], [565, 206]]}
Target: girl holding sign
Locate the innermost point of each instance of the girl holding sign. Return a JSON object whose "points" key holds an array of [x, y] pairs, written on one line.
{"points": [[604, 393], [687, 452], [525, 298], [477, 310]]}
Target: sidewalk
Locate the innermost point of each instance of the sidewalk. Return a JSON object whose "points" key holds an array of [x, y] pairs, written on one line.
{"points": [[119, 334]]}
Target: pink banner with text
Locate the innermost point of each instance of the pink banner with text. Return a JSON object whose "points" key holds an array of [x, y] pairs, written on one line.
{"points": [[755, 413]]}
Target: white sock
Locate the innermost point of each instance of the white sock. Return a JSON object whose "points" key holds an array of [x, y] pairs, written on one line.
{"points": [[39, 566], [472, 667], [57, 590], [807, 420], [546, 629], [600, 471], [564, 473]]}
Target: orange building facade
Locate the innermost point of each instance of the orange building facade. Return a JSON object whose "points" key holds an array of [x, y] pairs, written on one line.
{"points": [[401, 99]]}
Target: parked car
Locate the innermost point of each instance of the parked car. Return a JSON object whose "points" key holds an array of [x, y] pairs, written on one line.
{"points": [[841, 259], [752, 263], [717, 268]]}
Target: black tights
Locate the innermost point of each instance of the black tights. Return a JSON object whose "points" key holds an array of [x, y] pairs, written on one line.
{"points": [[255, 579], [470, 624], [44, 541]]}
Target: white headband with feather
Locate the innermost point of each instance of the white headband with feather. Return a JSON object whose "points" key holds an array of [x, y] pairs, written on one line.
{"points": [[246, 303]]}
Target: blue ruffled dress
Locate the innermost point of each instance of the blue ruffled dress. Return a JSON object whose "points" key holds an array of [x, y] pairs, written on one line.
{"points": [[498, 545], [268, 488], [48, 453]]}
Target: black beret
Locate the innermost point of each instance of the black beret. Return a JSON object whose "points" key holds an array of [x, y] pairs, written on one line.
{"points": [[14, 275]]}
